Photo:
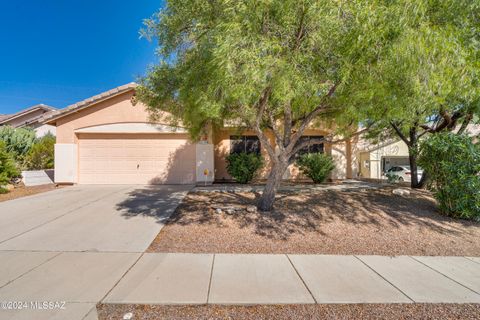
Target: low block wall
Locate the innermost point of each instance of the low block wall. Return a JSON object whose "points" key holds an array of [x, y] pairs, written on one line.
{"points": [[38, 177]]}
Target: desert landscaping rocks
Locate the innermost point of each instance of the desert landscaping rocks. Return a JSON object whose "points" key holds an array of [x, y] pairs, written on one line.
{"points": [[401, 192], [376, 222], [290, 188], [219, 209], [401, 311]]}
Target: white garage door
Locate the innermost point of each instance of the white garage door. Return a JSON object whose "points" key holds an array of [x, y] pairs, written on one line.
{"points": [[136, 159]]}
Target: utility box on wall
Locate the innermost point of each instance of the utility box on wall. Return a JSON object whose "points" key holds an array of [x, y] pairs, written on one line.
{"points": [[204, 171]]}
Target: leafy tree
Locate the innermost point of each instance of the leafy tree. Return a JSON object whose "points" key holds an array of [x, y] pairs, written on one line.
{"points": [[453, 165], [18, 141], [430, 81], [316, 166], [8, 169], [244, 166], [278, 65], [41, 155]]}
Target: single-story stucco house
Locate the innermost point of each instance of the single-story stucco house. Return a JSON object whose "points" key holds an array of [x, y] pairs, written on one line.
{"points": [[30, 117], [376, 159], [109, 139]]}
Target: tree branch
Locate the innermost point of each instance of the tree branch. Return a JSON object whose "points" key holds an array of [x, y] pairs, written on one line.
{"points": [[300, 31], [306, 121], [330, 140], [465, 123], [262, 104], [276, 132], [449, 122], [423, 133], [287, 127], [400, 133], [300, 145]]}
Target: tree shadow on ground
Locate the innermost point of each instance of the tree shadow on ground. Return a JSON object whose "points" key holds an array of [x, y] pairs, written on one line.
{"points": [[304, 213], [156, 201]]}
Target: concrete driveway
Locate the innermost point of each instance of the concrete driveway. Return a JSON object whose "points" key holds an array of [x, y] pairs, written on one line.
{"points": [[88, 218], [71, 246]]}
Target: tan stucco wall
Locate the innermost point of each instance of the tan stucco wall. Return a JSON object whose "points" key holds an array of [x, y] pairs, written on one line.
{"points": [[221, 138], [117, 109], [293, 173], [372, 169], [340, 157], [354, 160]]}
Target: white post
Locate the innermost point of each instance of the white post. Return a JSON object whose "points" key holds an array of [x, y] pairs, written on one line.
{"points": [[66, 163]]}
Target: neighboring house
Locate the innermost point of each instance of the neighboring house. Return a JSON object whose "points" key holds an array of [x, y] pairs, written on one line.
{"points": [[109, 139], [374, 160], [30, 117]]}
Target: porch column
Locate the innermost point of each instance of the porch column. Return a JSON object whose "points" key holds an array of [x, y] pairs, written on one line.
{"points": [[205, 169], [66, 164]]}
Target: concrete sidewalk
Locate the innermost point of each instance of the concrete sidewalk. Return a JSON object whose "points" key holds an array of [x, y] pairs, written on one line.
{"points": [[82, 279], [291, 279]]}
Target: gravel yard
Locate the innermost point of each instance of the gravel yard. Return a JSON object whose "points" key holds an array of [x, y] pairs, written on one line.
{"points": [[23, 191], [313, 311], [325, 222]]}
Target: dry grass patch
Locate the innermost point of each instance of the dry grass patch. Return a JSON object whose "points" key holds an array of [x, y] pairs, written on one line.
{"points": [[326, 222]]}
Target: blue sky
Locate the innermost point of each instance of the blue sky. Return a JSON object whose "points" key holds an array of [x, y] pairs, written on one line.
{"points": [[58, 52]]}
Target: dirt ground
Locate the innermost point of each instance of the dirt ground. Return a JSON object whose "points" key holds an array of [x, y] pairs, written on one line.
{"points": [[23, 191], [326, 222], [279, 312]]}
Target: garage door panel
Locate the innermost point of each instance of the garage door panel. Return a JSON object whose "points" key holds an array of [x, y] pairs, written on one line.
{"points": [[136, 159]]}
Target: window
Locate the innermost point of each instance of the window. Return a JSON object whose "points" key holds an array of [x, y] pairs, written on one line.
{"points": [[311, 147], [247, 144]]}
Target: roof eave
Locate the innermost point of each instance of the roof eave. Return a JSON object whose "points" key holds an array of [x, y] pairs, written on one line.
{"points": [[82, 105], [27, 111]]}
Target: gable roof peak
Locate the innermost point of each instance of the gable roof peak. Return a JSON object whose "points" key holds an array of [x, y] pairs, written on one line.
{"points": [[89, 102]]}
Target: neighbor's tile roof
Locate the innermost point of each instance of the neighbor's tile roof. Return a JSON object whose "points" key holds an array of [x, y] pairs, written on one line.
{"points": [[7, 117], [88, 102]]}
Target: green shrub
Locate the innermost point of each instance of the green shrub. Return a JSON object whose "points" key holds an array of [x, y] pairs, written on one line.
{"points": [[41, 154], [452, 163], [316, 166], [244, 166], [18, 141], [392, 178], [8, 169]]}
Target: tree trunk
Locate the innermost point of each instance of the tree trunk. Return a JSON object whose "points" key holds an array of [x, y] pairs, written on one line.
{"points": [[423, 180], [274, 179], [413, 170], [415, 183], [412, 157]]}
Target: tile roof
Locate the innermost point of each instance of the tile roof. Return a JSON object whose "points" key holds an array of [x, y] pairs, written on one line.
{"points": [[7, 117], [88, 102]]}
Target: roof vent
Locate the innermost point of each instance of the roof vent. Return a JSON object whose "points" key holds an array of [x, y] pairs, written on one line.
{"points": [[134, 99]]}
